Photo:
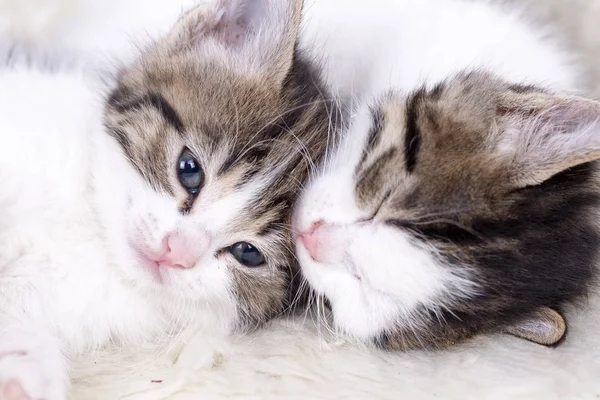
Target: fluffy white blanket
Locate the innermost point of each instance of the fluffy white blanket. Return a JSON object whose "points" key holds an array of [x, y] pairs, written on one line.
{"points": [[301, 359], [294, 360]]}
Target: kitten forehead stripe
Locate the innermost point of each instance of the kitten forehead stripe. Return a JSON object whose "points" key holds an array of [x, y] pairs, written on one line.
{"points": [[167, 111], [412, 138], [123, 101], [377, 123]]}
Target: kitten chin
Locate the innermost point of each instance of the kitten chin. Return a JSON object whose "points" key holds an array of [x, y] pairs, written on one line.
{"points": [[472, 206]]}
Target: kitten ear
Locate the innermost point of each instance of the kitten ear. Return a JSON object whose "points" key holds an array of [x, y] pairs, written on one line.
{"points": [[545, 326], [545, 134], [260, 35]]}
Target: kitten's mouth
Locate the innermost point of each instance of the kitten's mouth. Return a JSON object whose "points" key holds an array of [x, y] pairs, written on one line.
{"points": [[155, 268]]}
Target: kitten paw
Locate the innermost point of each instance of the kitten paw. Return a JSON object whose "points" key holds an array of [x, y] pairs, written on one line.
{"points": [[22, 377], [12, 390]]}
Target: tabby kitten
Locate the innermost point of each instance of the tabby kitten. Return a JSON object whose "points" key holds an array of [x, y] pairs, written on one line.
{"points": [[467, 207], [167, 207]]}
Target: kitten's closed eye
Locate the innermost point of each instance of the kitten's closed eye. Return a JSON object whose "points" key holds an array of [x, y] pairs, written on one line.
{"points": [[488, 225]]}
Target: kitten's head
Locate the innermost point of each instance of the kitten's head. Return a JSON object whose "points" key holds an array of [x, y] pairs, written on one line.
{"points": [[466, 208], [218, 120]]}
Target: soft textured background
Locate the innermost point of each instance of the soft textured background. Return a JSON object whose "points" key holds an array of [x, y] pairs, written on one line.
{"points": [[299, 359], [579, 20]]}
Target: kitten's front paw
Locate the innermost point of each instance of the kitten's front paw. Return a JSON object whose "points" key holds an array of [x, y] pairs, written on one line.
{"points": [[12, 390], [22, 377]]}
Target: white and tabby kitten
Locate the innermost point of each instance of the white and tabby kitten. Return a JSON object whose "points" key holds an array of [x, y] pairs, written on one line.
{"points": [[168, 210], [458, 204]]}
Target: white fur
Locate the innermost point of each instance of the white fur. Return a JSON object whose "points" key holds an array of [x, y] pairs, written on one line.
{"points": [[383, 275]]}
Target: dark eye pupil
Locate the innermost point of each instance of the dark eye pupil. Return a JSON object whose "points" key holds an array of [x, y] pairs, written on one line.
{"points": [[190, 174], [247, 254], [189, 167]]}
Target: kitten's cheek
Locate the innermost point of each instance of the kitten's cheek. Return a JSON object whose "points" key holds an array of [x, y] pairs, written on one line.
{"points": [[311, 270]]}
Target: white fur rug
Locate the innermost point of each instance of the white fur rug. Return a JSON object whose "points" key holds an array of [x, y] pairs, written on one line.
{"points": [[295, 359]]}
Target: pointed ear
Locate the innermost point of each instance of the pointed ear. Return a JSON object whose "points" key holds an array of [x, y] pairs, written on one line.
{"points": [[545, 326], [545, 134], [257, 35]]}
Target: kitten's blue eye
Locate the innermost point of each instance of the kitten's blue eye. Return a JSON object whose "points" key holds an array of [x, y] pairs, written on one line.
{"points": [[190, 173], [247, 254]]}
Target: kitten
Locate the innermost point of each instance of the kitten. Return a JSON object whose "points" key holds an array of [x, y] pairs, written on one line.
{"points": [[455, 205], [463, 209], [170, 209]]}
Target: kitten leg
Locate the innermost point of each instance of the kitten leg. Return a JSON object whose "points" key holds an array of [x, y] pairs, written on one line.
{"points": [[31, 365]]}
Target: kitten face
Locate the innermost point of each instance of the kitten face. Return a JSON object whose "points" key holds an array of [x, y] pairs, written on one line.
{"points": [[219, 135], [462, 209]]}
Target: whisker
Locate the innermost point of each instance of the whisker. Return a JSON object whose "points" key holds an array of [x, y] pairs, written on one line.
{"points": [[274, 119]]}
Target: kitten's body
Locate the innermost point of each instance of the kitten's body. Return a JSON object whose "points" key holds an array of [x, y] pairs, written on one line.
{"points": [[53, 257], [370, 48], [420, 156]]}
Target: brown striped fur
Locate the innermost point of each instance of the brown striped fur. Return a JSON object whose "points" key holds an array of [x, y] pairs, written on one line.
{"points": [[532, 242]]}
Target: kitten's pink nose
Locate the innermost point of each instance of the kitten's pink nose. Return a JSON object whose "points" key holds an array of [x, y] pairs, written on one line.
{"points": [[311, 244], [327, 243], [184, 251], [311, 240]]}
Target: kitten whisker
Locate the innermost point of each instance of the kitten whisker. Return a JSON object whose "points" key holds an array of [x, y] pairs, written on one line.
{"points": [[273, 120], [303, 151]]}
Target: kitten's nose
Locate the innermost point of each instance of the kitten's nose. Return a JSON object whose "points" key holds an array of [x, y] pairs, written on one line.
{"points": [[311, 244], [313, 238], [183, 250], [327, 243]]}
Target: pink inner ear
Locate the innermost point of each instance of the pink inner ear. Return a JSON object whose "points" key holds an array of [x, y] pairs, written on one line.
{"points": [[240, 17], [232, 29], [567, 117], [549, 133], [233, 32], [553, 117], [561, 113]]}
